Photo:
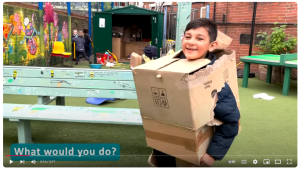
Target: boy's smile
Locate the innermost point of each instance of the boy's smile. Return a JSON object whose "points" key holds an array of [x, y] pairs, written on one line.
{"points": [[196, 43]]}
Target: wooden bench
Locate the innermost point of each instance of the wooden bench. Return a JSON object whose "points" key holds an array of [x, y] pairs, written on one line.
{"points": [[51, 84]]}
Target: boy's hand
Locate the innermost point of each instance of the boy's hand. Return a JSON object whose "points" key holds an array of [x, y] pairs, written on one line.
{"points": [[207, 161]]}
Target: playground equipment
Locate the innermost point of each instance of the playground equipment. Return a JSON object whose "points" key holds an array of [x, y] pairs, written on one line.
{"points": [[59, 51], [112, 54]]}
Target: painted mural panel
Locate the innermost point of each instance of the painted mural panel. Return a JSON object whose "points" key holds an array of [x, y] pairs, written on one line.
{"points": [[58, 31], [21, 36]]}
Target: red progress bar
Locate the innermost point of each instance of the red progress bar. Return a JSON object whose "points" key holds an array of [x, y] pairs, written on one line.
{"points": [[17, 155]]}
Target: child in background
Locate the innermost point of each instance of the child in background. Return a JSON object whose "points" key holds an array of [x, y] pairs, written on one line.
{"points": [[171, 51], [80, 49], [110, 63], [74, 36], [199, 41]]}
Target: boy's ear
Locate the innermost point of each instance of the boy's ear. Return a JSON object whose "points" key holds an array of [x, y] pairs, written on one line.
{"points": [[213, 46]]}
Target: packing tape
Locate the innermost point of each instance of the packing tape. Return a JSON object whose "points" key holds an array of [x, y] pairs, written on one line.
{"points": [[189, 144]]}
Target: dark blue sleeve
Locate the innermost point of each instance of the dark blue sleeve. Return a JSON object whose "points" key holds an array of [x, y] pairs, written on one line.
{"points": [[226, 110]]}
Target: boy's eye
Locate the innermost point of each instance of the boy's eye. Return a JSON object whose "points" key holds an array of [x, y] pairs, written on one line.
{"points": [[200, 38]]}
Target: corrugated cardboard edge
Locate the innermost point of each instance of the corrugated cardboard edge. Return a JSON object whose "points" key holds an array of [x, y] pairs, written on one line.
{"points": [[199, 77]]}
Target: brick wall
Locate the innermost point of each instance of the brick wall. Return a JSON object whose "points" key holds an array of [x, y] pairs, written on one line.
{"points": [[241, 12]]}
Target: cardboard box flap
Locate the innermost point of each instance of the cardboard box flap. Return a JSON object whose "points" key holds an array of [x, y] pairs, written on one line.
{"points": [[223, 41], [156, 64], [186, 65]]}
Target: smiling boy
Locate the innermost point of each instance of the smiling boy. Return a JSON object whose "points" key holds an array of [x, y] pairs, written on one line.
{"points": [[199, 41]]}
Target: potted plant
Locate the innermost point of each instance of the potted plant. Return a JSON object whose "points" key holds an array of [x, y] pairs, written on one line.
{"points": [[278, 42]]}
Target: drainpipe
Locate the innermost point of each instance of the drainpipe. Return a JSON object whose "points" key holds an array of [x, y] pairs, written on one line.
{"points": [[207, 11], [215, 4], [252, 29], [201, 11]]}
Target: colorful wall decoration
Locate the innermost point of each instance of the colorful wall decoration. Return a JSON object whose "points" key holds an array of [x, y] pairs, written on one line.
{"points": [[58, 28], [21, 36]]}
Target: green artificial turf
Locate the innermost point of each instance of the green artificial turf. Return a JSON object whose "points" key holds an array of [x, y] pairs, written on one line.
{"points": [[269, 130]]}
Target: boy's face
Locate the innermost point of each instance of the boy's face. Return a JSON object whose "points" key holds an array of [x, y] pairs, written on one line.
{"points": [[75, 32], [196, 43]]}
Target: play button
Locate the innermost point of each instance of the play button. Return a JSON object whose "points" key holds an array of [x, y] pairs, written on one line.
{"points": [[10, 161]]}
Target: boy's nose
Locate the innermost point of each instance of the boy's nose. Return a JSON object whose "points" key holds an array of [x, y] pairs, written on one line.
{"points": [[191, 42]]}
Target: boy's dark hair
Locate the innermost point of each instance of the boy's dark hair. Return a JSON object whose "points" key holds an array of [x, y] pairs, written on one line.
{"points": [[210, 26], [85, 31]]}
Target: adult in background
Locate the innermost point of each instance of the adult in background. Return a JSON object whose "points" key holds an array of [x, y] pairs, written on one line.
{"points": [[79, 41], [87, 40]]}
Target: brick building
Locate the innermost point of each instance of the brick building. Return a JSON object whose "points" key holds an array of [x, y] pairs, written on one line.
{"points": [[235, 20]]}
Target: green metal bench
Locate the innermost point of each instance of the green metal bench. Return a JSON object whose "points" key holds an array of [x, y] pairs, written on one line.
{"points": [[284, 60], [51, 84]]}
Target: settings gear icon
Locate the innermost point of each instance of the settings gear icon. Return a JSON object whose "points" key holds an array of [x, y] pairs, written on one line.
{"points": [[255, 161]]}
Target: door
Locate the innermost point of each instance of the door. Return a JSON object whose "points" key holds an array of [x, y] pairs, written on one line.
{"points": [[102, 33]]}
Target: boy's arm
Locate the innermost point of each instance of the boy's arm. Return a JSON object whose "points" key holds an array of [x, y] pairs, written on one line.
{"points": [[226, 111]]}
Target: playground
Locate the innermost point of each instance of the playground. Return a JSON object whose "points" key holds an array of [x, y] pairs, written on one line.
{"points": [[48, 99], [277, 118]]}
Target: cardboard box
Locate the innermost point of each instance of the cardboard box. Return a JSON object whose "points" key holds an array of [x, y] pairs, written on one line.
{"points": [[178, 92], [181, 143], [137, 47], [118, 47], [135, 60], [223, 41]]}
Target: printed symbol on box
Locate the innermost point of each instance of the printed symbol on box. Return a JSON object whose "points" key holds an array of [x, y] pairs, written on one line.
{"points": [[163, 93], [226, 75], [155, 92], [164, 103], [157, 102]]}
